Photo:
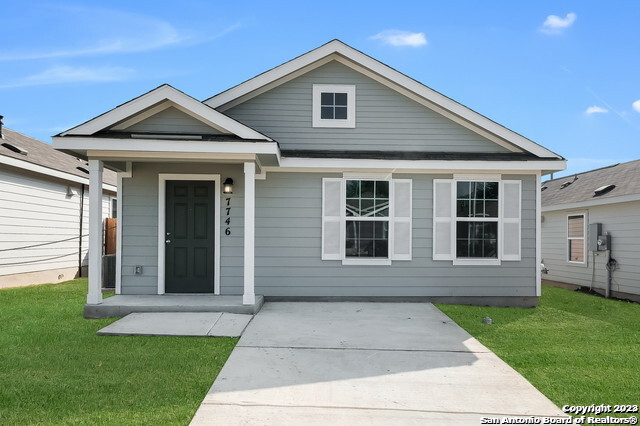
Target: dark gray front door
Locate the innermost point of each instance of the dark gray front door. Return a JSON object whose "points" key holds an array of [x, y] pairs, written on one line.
{"points": [[190, 231]]}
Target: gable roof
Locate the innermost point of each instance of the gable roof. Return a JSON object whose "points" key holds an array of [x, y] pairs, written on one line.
{"points": [[579, 190], [337, 50], [44, 155], [157, 100]]}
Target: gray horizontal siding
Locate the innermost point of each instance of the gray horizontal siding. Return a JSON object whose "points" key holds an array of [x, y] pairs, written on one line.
{"points": [[385, 119], [172, 120], [140, 225], [622, 221], [288, 240]]}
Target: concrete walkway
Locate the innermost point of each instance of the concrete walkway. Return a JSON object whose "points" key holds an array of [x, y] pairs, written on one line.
{"points": [[364, 363], [206, 324]]}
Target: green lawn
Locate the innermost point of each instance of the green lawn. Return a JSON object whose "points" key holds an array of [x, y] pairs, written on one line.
{"points": [[575, 348], [54, 369]]}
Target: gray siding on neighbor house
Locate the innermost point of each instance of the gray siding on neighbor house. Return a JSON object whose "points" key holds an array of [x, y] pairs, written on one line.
{"points": [[385, 119], [172, 120], [288, 241], [140, 225], [622, 221]]}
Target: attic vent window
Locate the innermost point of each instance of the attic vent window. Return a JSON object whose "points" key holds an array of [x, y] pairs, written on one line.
{"points": [[83, 170], [603, 190], [334, 105], [15, 148]]}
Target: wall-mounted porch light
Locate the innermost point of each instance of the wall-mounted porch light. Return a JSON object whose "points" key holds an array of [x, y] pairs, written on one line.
{"points": [[228, 186]]}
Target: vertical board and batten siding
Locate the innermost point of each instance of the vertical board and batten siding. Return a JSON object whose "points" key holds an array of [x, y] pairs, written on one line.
{"points": [[36, 210], [385, 119], [140, 226], [622, 221], [172, 120], [288, 248]]}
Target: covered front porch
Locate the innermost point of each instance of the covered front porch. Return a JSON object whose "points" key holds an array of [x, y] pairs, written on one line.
{"points": [[157, 144]]}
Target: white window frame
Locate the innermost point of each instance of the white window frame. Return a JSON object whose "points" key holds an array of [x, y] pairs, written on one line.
{"points": [[454, 208], [584, 238], [347, 260], [350, 90]]}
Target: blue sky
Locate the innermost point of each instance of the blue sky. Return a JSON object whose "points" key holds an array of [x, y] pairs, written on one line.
{"points": [[565, 74]]}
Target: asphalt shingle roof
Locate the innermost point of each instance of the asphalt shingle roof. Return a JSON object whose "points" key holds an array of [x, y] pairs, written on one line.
{"points": [[45, 155], [625, 177]]}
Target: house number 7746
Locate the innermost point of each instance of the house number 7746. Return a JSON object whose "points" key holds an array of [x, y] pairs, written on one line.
{"points": [[227, 221]]}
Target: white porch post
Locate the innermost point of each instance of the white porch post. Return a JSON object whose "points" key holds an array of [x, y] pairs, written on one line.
{"points": [[94, 296], [249, 296]]}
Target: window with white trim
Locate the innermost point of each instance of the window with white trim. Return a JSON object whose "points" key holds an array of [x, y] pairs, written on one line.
{"points": [[476, 221], [366, 220], [334, 105], [575, 238]]}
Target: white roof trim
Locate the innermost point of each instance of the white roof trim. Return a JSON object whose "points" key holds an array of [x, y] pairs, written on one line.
{"points": [[151, 99], [437, 99], [36, 168], [595, 202], [163, 145], [429, 166]]}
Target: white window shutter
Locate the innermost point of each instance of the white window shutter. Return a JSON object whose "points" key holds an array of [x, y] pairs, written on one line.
{"points": [[332, 241], [401, 219], [511, 208], [443, 219]]}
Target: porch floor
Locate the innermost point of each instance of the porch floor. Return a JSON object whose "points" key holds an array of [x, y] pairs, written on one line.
{"points": [[121, 305]]}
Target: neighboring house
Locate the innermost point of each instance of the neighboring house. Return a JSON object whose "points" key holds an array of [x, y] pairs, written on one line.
{"points": [[350, 180], [44, 196], [571, 206]]}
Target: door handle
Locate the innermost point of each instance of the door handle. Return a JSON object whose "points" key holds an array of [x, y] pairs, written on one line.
{"points": [[167, 241]]}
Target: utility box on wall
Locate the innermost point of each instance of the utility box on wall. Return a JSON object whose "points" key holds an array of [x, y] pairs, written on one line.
{"points": [[604, 242], [595, 231]]}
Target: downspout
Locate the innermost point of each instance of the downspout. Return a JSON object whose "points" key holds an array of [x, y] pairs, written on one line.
{"points": [[80, 231]]}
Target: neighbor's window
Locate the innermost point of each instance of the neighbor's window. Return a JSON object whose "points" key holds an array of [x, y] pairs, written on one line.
{"points": [[477, 219], [575, 236], [367, 218], [334, 105]]}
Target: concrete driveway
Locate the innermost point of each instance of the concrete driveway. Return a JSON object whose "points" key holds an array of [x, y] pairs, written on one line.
{"points": [[364, 363]]}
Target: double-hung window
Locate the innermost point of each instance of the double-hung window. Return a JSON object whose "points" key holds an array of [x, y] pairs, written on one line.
{"points": [[476, 221], [366, 220], [575, 238], [334, 105]]}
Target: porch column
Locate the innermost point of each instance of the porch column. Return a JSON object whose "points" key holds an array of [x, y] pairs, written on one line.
{"points": [[249, 297], [94, 296]]}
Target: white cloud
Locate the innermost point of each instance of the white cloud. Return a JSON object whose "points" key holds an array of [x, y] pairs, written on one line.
{"points": [[85, 31], [401, 38], [554, 24], [595, 110], [636, 105], [66, 74]]}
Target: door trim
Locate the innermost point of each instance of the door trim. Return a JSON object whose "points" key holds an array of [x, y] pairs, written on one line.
{"points": [[162, 179]]}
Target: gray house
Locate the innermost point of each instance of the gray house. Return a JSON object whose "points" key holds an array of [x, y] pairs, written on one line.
{"points": [[578, 211], [329, 176]]}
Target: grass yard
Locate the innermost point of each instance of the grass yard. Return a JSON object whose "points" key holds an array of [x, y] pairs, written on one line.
{"points": [[577, 349], [54, 369]]}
